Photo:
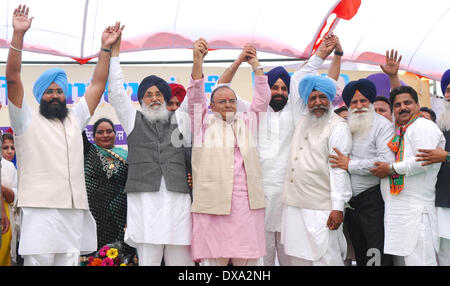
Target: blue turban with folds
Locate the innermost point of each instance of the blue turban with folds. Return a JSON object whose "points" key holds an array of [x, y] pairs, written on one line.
{"points": [[279, 72], [445, 81], [364, 86], [316, 82], [55, 75], [150, 81]]}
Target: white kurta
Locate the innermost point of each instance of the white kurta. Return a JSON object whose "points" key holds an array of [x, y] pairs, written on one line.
{"points": [[161, 217], [406, 212], [304, 232], [45, 230]]}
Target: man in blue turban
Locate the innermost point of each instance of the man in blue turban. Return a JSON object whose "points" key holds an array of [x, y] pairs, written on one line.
{"points": [[56, 223], [370, 134], [158, 195], [276, 129], [314, 194], [279, 82]]}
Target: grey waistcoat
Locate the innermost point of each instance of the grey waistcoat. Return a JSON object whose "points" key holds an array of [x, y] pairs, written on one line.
{"points": [[151, 155]]}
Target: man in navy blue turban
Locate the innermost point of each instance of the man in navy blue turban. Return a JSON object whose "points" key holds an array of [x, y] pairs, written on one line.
{"points": [[370, 134], [279, 82], [364, 86], [158, 195], [56, 224]]}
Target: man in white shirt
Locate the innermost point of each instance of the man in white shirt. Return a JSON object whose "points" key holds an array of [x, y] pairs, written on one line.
{"points": [[314, 194], [439, 155], [370, 134], [56, 224], [410, 213], [275, 134]]}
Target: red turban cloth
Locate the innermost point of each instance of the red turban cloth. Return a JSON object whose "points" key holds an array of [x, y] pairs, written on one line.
{"points": [[178, 90]]}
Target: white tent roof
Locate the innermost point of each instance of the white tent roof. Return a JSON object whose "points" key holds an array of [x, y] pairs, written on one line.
{"points": [[285, 29]]}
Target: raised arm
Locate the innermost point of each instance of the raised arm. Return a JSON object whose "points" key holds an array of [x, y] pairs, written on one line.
{"points": [[261, 98], [247, 52], [335, 67], [196, 92], [390, 68], [295, 103], [117, 95], [95, 90], [21, 23]]}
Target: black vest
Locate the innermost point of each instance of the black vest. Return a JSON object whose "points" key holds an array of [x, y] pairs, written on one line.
{"points": [[443, 179], [152, 154]]}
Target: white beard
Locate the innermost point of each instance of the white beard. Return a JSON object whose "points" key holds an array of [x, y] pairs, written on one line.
{"points": [[444, 117], [361, 123], [155, 112], [314, 122]]}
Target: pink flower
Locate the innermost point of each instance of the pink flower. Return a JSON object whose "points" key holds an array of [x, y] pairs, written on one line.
{"points": [[104, 250], [90, 259], [107, 262]]}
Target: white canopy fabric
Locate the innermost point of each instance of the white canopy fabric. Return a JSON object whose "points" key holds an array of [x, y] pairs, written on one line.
{"points": [[282, 28]]}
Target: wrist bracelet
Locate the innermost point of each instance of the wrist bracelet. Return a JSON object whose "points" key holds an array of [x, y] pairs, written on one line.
{"points": [[258, 68], [448, 157], [341, 53], [15, 49], [106, 50], [393, 170]]}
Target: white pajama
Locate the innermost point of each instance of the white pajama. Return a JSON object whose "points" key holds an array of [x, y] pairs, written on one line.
{"points": [[174, 255], [52, 259], [275, 249], [443, 218]]}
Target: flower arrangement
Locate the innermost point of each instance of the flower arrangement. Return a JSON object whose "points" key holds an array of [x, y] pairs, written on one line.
{"points": [[112, 254]]}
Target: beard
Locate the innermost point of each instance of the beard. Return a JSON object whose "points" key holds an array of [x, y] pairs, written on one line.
{"points": [[314, 122], [361, 123], [277, 102], [155, 111], [444, 117], [53, 111]]}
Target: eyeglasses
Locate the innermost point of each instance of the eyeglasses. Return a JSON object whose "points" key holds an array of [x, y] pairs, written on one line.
{"points": [[156, 95], [51, 91]]}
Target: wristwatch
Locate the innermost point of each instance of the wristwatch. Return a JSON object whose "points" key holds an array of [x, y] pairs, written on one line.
{"points": [[337, 53], [392, 170], [448, 157]]}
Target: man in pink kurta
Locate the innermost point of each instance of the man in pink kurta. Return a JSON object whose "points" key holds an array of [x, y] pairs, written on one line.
{"points": [[234, 231]]}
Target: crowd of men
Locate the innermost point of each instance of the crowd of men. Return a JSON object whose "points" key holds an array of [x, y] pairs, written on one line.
{"points": [[248, 183]]}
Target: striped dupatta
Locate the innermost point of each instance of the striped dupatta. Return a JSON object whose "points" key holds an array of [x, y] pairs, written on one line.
{"points": [[397, 181]]}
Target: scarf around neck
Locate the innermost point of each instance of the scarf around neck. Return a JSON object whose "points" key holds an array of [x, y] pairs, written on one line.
{"points": [[397, 181]]}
